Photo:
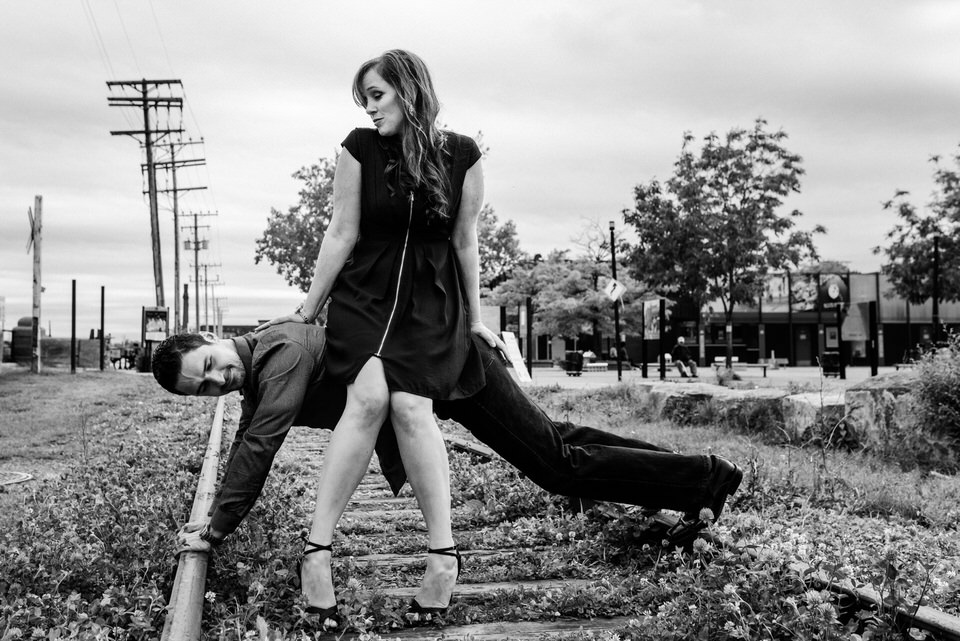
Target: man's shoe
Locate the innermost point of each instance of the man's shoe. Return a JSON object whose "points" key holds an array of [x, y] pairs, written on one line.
{"points": [[723, 482]]}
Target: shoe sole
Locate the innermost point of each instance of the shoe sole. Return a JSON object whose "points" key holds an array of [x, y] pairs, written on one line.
{"points": [[728, 489]]}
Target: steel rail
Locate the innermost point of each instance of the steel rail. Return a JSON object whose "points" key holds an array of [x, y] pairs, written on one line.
{"points": [[186, 598], [944, 626]]}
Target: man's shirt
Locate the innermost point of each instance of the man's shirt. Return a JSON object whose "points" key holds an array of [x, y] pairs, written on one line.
{"points": [[680, 353], [283, 387]]}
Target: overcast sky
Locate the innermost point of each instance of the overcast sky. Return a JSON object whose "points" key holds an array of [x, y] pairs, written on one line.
{"points": [[578, 102]]}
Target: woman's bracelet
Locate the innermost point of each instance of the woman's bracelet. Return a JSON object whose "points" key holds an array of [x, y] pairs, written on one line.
{"points": [[299, 312]]}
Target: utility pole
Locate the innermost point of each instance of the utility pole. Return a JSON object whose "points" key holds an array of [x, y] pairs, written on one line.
{"points": [[186, 307], [616, 304], [207, 283], [219, 309], [936, 290], [36, 236], [172, 166], [196, 245], [150, 136]]}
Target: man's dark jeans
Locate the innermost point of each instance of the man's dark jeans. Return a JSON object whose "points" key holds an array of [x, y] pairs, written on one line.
{"points": [[574, 460]]}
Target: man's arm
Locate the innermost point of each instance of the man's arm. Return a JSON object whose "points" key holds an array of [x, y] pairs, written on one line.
{"points": [[283, 380]]}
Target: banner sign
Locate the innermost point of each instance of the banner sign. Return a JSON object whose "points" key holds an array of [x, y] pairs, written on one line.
{"points": [[856, 325], [155, 323], [651, 320], [832, 291]]}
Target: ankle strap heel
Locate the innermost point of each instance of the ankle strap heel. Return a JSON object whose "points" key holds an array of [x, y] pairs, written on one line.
{"points": [[453, 551], [418, 614], [327, 619], [310, 547]]}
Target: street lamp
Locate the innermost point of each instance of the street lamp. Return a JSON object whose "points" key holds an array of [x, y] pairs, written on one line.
{"points": [[616, 306]]}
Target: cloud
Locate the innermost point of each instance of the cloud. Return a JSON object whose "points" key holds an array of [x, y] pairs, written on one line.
{"points": [[578, 101]]}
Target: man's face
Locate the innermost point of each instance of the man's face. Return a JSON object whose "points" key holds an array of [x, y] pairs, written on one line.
{"points": [[213, 369]]}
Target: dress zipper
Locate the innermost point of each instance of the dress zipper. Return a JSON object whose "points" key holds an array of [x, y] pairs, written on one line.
{"points": [[396, 296]]}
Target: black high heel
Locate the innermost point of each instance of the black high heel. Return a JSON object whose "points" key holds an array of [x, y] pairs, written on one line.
{"points": [[417, 613], [329, 618]]}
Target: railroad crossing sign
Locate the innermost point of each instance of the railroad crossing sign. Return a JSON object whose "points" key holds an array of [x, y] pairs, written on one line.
{"points": [[34, 232]]}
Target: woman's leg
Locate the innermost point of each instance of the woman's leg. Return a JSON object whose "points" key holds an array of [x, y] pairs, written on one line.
{"points": [[345, 463], [425, 460]]}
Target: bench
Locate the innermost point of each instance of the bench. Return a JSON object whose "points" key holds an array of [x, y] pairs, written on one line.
{"points": [[721, 363], [904, 365], [595, 367]]}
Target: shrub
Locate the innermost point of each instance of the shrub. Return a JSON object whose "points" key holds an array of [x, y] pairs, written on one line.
{"points": [[931, 440], [938, 393]]}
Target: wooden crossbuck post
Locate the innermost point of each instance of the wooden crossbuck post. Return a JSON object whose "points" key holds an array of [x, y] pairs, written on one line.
{"points": [[36, 229]]}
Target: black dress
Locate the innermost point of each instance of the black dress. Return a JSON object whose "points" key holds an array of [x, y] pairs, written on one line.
{"points": [[400, 297]]}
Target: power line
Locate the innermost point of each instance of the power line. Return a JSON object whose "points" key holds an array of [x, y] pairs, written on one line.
{"points": [[163, 44], [123, 27], [97, 37]]}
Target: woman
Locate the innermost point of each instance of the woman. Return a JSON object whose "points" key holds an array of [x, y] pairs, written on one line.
{"points": [[400, 265]]}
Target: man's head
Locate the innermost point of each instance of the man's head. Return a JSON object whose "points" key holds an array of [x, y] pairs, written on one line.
{"points": [[198, 365], [681, 340]]}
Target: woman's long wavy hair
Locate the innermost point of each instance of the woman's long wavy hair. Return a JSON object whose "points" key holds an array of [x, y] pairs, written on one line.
{"points": [[422, 152]]}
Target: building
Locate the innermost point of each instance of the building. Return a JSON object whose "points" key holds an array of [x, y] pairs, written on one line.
{"points": [[800, 317]]}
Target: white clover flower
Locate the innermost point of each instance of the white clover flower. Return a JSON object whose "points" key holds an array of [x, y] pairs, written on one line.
{"points": [[210, 596], [812, 596]]}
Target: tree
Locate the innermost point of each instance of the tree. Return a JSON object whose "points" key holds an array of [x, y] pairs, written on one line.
{"points": [[292, 238], [594, 262], [568, 296], [910, 253], [500, 251], [712, 231]]}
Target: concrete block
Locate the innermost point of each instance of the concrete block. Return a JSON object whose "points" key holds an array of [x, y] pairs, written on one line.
{"points": [[812, 414], [879, 404]]}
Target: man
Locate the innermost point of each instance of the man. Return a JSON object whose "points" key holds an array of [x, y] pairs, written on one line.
{"points": [[681, 356], [279, 372]]}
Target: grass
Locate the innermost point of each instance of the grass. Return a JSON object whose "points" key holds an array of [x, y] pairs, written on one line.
{"points": [[86, 549], [863, 482]]}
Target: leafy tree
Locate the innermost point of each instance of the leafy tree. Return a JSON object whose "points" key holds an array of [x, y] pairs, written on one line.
{"points": [[712, 231], [292, 238], [594, 262], [500, 251], [567, 295], [910, 252]]}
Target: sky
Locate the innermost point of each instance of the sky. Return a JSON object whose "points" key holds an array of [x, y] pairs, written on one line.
{"points": [[577, 101]]}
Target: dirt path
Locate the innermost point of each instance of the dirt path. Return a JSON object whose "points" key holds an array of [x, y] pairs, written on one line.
{"points": [[48, 421]]}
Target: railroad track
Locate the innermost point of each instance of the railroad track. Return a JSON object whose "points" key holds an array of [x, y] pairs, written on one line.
{"points": [[391, 518]]}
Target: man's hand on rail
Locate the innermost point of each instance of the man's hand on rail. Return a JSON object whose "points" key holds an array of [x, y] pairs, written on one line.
{"points": [[188, 538]]}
